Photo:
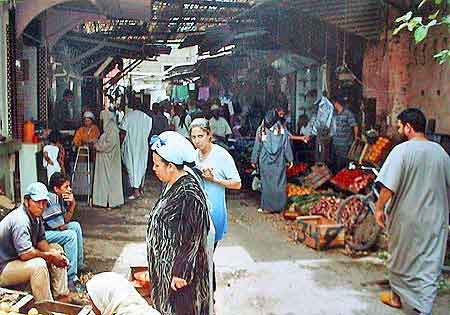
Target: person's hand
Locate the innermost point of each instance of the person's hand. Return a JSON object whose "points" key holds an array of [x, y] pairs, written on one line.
{"points": [[254, 165], [63, 227], [380, 218], [68, 197], [178, 283], [290, 164], [208, 174], [58, 260]]}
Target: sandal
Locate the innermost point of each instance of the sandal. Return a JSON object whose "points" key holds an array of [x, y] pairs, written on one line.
{"points": [[391, 299]]}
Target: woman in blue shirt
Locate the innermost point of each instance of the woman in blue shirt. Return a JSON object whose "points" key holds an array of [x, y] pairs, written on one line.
{"points": [[220, 173]]}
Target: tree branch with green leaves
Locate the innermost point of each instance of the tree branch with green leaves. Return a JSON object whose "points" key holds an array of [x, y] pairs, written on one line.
{"points": [[419, 23]]}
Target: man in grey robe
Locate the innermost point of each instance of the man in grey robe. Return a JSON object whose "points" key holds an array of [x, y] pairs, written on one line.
{"points": [[416, 180], [107, 191]]}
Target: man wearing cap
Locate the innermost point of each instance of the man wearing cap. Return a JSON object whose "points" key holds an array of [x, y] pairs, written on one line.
{"points": [[25, 255], [219, 126], [345, 130]]}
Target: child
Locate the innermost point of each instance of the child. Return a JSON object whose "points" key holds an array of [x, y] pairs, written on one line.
{"points": [[51, 160]]}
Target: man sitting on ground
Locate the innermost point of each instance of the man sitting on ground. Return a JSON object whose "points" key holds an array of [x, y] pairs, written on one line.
{"points": [[25, 254]]}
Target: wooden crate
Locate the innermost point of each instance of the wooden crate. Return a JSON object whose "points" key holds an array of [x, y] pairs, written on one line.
{"points": [[320, 233], [51, 307], [143, 291], [17, 299]]}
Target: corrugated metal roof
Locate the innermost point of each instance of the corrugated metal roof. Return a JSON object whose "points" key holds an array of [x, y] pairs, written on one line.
{"points": [[361, 17]]}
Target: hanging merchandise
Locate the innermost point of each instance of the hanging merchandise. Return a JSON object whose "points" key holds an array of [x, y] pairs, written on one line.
{"points": [[203, 93], [343, 74]]}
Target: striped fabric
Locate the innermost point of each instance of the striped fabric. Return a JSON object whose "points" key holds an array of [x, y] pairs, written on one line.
{"points": [[176, 246]]}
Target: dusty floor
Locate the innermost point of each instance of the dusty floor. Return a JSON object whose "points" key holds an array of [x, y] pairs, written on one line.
{"points": [[260, 270]]}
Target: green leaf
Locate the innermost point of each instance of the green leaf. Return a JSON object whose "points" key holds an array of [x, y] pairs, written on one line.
{"points": [[405, 18], [420, 33], [398, 29], [422, 3], [446, 19], [434, 15], [438, 2], [414, 22], [432, 23]]}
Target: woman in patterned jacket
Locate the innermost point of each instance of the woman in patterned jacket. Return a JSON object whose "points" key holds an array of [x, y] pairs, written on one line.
{"points": [[177, 232]]}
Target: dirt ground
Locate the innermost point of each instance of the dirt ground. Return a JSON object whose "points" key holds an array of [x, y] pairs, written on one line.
{"points": [[260, 269]]}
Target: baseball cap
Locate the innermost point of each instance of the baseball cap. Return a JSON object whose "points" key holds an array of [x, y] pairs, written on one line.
{"points": [[37, 191]]}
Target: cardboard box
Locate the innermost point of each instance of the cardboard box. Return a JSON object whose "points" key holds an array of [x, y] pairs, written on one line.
{"points": [[320, 233]]}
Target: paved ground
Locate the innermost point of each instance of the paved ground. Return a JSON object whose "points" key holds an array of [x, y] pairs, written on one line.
{"points": [[260, 270]]}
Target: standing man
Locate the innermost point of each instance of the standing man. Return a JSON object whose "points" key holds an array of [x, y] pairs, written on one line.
{"points": [[416, 180], [219, 126], [25, 254], [66, 115], [345, 130], [136, 127]]}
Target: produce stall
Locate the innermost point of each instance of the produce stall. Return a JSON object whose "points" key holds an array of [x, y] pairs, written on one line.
{"points": [[316, 197]]}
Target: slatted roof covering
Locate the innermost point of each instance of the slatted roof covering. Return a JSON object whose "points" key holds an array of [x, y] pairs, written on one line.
{"points": [[171, 20]]}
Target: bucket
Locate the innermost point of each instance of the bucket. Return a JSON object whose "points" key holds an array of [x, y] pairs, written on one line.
{"points": [[28, 132]]}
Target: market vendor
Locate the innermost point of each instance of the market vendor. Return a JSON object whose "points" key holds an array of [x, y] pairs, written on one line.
{"points": [[219, 126], [25, 254], [66, 115], [120, 298], [345, 130], [88, 133]]}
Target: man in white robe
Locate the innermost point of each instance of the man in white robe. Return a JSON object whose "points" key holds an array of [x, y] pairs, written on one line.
{"points": [[137, 126]]}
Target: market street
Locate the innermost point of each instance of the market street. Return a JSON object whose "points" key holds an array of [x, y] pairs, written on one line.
{"points": [[260, 271]]}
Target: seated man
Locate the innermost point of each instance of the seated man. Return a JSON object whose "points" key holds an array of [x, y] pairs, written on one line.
{"points": [[25, 254], [60, 230]]}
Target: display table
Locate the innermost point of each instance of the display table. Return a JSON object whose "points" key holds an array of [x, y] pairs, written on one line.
{"points": [[28, 165]]}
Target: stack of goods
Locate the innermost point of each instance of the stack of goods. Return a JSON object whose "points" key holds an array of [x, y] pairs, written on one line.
{"points": [[320, 174], [352, 180], [296, 169], [327, 207], [378, 151]]}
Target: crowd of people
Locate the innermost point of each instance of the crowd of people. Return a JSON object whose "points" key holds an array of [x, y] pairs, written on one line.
{"points": [[187, 150]]}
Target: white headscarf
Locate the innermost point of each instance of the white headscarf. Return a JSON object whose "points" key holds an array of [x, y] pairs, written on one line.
{"points": [[174, 148], [113, 294], [89, 115]]}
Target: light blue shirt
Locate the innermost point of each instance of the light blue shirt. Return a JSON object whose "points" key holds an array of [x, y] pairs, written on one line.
{"points": [[224, 168]]}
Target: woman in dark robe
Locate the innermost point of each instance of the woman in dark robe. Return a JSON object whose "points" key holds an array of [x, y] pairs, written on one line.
{"points": [[272, 153], [177, 232]]}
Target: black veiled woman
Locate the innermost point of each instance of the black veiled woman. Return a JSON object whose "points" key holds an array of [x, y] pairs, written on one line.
{"points": [[177, 232]]}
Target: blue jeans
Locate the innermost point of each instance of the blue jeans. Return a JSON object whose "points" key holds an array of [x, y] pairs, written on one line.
{"points": [[71, 240]]}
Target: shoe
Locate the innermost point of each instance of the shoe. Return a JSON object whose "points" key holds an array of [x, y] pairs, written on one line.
{"points": [[76, 286], [264, 211], [391, 299]]}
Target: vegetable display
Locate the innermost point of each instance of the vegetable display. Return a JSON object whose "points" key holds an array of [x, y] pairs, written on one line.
{"points": [[352, 180], [326, 207], [296, 169]]}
